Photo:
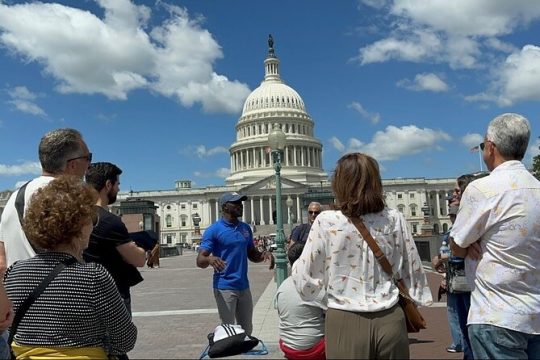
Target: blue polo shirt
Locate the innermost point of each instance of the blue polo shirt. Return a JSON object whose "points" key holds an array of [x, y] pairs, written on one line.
{"points": [[230, 242]]}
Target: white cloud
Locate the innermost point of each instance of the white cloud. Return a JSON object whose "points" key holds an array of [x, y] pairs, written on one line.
{"points": [[520, 76], [469, 18], [394, 142], [27, 167], [424, 82], [21, 92], [373, 117], [378, 4], [515, 80], [337, 144], [202, 151], [174, 58], [220, 173], [416, 48], [456, 32], [500, 45], [23, 100], [471, 140]]}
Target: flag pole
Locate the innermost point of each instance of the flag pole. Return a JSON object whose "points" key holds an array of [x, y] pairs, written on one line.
{"points": [[480, 158]]}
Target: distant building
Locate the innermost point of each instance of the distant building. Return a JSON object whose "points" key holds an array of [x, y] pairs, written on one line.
{"points": [[303, 178]]}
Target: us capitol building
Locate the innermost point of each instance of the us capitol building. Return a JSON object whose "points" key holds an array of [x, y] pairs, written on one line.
{"points": [[303, 178]]}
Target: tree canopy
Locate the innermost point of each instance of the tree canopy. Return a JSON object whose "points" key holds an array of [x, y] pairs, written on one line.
{"points": [[536, 166]]}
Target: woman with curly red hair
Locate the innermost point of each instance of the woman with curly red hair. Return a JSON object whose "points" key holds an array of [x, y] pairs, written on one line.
{"points": [[80, 312]]}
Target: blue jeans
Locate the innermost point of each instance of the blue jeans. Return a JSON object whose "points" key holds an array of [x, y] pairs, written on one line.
{"points": [[463, 303], [5, 352], [453, 321], [493, 342]]}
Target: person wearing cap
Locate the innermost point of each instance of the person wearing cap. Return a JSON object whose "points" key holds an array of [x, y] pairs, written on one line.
{"points": [[226, 246], [301, 232]]}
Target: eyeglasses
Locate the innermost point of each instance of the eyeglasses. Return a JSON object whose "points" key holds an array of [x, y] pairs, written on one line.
{"points": [[86, 157], [483, 144], [314, 212]]}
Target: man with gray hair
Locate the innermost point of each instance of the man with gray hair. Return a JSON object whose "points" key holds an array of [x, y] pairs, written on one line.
{"points": [[499, 223], [301, 232], [61, 151]]}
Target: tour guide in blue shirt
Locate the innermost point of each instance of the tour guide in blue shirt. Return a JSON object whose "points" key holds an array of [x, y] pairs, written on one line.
{"points": [[226, 246]]}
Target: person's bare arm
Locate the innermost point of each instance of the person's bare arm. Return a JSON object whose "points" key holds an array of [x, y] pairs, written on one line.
{"points": [[3, 261], [204, 258], [458, 250], [6, 309], [257, 256], [132, 254]]}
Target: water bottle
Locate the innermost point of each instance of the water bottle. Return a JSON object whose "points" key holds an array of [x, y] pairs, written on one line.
{"points": [[444, 251]]}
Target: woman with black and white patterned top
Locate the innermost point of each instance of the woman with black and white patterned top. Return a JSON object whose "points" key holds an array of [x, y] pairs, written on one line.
{"points": [[80, 313]]}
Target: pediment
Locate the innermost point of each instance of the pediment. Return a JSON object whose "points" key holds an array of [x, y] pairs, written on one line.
{"points": [[269, 183]]}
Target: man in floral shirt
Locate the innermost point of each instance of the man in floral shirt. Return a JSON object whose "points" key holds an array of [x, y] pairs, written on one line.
{"points": [[499, 223]]}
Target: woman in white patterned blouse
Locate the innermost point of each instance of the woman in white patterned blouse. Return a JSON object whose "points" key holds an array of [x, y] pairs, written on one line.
{"points": [[80, 314], [363, 319]]}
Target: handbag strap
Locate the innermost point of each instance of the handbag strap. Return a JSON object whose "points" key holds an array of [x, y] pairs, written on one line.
{"points": [[19, 206], [380, 256], [35, 294]]}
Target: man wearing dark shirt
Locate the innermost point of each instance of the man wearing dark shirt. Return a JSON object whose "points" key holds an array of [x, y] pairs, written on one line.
{"points": [[301, 232], [110, 244]]}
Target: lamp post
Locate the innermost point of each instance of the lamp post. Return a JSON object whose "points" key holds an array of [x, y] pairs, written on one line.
{"points": [[196, 221], [290, 203], [277, 140]]}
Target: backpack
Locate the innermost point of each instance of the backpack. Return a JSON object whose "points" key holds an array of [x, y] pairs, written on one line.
{"points": [[228, 340]]}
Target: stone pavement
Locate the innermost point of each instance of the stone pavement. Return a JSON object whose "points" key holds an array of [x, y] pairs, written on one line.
{"points": [[174, 310]]}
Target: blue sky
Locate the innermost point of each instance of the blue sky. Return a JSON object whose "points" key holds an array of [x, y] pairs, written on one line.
{"points": [[158, 86]]}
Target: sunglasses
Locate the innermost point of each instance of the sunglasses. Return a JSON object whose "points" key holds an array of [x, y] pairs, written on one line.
{"points": [[314, 212], [86, 157], [483, 144]]}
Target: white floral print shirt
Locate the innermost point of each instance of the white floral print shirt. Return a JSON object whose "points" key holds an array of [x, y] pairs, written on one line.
{"points": [[338, 261], [503, 211]]}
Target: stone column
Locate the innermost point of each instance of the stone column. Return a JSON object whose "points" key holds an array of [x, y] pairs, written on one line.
{"points": [[437, 205], [299, 219], [261, 209], [252, 203], [271, 218]]}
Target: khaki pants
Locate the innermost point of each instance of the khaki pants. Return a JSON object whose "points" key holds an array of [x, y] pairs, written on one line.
{"points": [[235, 307], [374, 335]]}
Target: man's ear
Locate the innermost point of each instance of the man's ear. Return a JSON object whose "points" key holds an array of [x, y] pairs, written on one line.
{"points": [[108, 184]]}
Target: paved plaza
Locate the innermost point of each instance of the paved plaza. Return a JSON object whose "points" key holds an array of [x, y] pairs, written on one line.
{"points": [[174, 310]]}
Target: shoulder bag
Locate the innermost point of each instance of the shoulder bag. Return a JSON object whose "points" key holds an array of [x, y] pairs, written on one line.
{"points": [[413, 317], [33, 297]]}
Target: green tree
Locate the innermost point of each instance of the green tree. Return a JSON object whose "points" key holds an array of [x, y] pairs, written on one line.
{"points": [[536, 166]]}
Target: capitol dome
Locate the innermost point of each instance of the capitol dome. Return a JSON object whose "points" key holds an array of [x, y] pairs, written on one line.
{"points": [[274, 102]]}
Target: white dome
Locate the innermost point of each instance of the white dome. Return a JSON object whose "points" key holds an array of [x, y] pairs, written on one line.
{"points": [[273, 95]]}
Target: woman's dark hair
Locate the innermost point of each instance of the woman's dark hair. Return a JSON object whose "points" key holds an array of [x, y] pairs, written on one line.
{"points": [[357, 185], [464, 180], [294, 252]]}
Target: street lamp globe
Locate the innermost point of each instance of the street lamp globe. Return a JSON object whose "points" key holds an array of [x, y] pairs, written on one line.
{"points": [[277, 138], [289, 202]]}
